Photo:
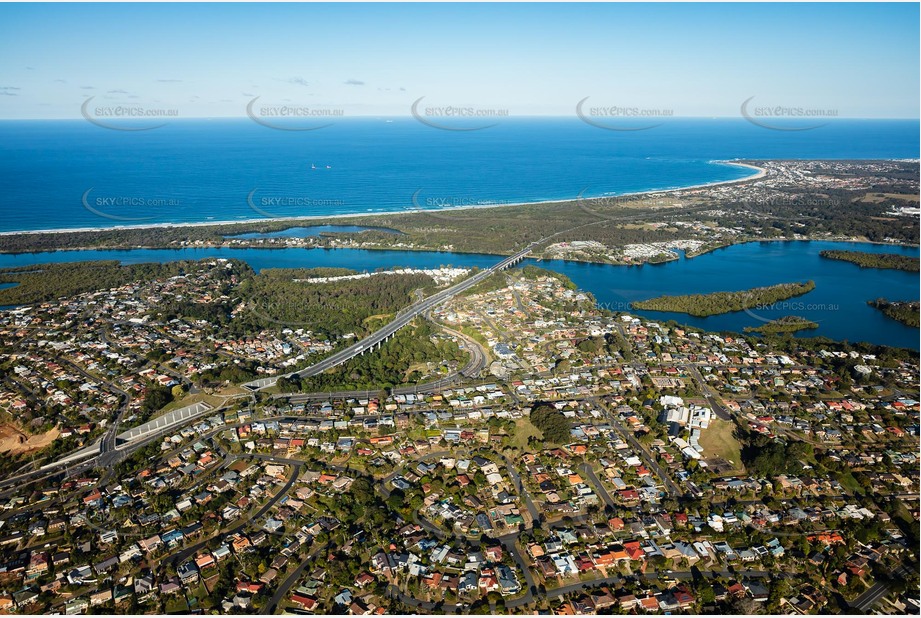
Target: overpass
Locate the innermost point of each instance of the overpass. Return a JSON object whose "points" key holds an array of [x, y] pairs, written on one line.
{"points": [[104, 446], [404, 317]]}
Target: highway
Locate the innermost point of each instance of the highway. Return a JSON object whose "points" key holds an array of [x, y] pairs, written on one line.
{"points": [[403, 318], [473, 367]]}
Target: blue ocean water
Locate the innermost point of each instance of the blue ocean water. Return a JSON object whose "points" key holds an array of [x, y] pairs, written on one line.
{"points": [[837, 304], [74, 174]]}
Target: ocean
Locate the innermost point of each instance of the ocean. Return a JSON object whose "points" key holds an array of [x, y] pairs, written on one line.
{"points": [[69, 174]]}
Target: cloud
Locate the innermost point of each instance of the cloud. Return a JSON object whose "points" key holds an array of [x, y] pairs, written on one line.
{"points": [[169, 81], [117, 92], [87, 87], [402, 89], [10, 88], [300, 81], [353, 82], [247, 94], [7, 93], [60, 81]]}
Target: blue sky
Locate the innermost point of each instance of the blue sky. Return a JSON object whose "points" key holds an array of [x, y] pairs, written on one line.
{"points": [[204, 60]]}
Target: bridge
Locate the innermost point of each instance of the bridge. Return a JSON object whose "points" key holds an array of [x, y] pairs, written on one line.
{"points": [[107, 449], [110, 447], [404, 317]]}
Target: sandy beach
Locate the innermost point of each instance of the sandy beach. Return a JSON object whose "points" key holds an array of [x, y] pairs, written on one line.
{"points": [[758, 173]]}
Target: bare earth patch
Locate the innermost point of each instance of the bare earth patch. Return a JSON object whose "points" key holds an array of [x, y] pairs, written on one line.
{"points": [[15, 442]]}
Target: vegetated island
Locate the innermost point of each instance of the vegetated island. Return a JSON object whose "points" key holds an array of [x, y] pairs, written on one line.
{"points": [[905, 311], [786, 324], [863, 259], [704, 305]]}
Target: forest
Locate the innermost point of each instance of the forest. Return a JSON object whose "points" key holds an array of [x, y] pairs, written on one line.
{"points": [[875, 260], [906, 312], [786, 324], [276, 297], [703, 305]]}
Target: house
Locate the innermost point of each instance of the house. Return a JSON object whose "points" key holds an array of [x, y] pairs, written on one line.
{"points": [[188, 573], [307, 602], [100, 597]]}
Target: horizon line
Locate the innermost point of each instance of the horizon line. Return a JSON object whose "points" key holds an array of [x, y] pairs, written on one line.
{"points": [[497, 118]]}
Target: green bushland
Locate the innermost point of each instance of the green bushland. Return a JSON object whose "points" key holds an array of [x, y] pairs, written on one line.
{"points": [[703, 305], [383, 368], [863, 259], [905, 311], [554, 427], [786, 324], [275, 297]]}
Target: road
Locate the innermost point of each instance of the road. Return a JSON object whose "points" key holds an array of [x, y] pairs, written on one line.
{"points": [[522, 490], [599, 486], [473, 367], [289, 582], [402, 319], [184, 554], [715, 404], [509, 541], [107, 442], [875, 593], [670, 485]]}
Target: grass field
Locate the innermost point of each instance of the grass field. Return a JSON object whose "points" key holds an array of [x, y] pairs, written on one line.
{"points": [[718, 441], [188, 400], [524, 430]]}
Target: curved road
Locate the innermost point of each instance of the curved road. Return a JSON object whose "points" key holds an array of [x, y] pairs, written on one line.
{"points": [[403, 318]]}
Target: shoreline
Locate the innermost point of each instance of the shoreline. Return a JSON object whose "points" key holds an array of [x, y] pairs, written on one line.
{"points": [[460, 252], [759, 173]]}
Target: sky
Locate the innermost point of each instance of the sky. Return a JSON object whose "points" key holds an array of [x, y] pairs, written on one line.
{"points": [[211, 60]]}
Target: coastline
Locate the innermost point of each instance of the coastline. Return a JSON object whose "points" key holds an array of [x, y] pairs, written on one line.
{"points": [[758, 173]]}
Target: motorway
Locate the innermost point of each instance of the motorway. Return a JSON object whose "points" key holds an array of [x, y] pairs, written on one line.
{"points": [[403, 318], [473, 367], [94, 456]]}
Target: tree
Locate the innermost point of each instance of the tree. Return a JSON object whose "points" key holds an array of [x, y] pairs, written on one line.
{"points": [[554, 427]]}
